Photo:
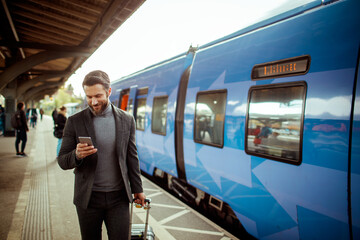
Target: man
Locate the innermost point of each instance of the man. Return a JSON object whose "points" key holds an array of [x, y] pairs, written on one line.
{"points": [[107, 173], [21, 130]]}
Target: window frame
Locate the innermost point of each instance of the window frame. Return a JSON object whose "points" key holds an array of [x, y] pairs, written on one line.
{"points": [[271, 86], [223, 125], [152, 114]]}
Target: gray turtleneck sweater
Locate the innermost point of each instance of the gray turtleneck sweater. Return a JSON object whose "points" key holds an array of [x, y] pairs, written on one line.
{"points": [[107, 175]]}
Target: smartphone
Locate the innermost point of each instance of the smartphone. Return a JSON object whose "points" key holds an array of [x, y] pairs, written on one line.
{"points": [[86, 140]]}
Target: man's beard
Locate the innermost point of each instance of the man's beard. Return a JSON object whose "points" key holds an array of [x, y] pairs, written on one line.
{"points": [[102, 109]]}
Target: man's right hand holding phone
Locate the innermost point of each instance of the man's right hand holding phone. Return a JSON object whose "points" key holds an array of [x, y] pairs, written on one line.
{"points": [[83, 150]]}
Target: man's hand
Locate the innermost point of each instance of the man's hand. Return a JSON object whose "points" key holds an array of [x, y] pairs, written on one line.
{"points": [[83, 150], [139, 198]]}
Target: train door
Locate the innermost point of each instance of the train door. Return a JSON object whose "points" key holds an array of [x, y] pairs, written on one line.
{"points": [[132, 96], [355, 164], [179, 124]]}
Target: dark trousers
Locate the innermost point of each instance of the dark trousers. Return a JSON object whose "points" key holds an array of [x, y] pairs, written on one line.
{"points": [[110, 207], [20, 136]]}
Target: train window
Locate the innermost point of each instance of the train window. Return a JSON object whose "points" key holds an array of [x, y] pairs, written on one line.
{"points": [[210, 117], [275, 121], [140, 113], [159, 115]]}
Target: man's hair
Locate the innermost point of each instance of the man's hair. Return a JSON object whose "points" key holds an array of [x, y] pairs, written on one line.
{"points": [[62, 108], [20, 105], [97, 77]]}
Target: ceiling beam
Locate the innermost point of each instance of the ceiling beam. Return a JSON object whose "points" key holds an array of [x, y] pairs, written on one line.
{"points": [[50, 23], [54, 47], [50, 39], [85, 5], [35, 90], [42, 78], [40, 11], [107, 18], [77, 35], [26, 64], [40, 95], [56, 7]]}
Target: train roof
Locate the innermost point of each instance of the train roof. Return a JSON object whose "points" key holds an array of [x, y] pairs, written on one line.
{"points": [[269, 21]]}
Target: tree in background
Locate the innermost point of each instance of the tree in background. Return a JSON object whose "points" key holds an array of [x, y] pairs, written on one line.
{"points": [[60, 98]]}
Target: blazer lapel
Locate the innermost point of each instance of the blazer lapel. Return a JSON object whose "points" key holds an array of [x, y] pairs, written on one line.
{"points": [[89, 124], [119, 128]]}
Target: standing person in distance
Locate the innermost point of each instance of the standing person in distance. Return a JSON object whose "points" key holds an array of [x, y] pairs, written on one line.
{"points": [[41, 113], [21, 135], [59, 127], [2, 119], [54, 115], [2, 127], [107, 173]]}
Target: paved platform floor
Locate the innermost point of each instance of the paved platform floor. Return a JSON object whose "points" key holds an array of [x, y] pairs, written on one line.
{"points": [[36, 198]]}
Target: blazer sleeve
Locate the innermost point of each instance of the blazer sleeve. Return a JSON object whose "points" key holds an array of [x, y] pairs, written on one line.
{"points": [[67, 157], [132, 161]]}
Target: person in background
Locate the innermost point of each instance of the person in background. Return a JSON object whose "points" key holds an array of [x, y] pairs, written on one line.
{"points": [[54, 115], [2, 128], [2, 118], [60, 124], [257, 139], [27, 115], [33, 118], [265, 131], [41, 113], [21, 131], [107, 173]]}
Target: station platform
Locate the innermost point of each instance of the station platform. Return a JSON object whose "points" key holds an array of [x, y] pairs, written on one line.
{"points": [[36, 198]]}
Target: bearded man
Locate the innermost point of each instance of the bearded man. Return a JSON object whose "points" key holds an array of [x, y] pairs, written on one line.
{"points": [[107, 172]]}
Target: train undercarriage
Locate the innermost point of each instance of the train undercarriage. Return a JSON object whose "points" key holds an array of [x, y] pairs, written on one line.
{"points": [[208, 205]]}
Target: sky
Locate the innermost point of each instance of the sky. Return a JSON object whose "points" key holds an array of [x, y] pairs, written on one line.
{"points": [[161, 29]]}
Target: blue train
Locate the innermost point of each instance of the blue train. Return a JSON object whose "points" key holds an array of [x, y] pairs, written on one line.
{"points": [[262, 126]]}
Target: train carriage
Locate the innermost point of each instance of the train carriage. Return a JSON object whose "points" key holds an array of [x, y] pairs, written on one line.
{"points": [[261, 126]]}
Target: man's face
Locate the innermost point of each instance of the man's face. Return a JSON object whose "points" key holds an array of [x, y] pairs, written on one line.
{"points": [[97, 98]]}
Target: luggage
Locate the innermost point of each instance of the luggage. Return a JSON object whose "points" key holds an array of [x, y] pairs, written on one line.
{"points": [[16, 120], [139, 231]]}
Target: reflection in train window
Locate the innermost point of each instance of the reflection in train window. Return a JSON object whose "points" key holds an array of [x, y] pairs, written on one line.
{"points": [[159, 115], [210, 117], [140, 113], [274, 121]]}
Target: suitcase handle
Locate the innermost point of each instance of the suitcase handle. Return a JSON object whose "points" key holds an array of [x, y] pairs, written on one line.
{"points": [[147, 200], [147, 208]]}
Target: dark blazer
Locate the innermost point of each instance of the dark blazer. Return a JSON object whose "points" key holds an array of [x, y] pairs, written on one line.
{"points": [[81, 124]]}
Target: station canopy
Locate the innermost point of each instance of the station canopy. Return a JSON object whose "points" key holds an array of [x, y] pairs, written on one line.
{"points": [[43, 42]]}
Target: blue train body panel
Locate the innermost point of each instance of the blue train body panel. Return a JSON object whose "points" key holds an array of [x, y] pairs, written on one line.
{"points": [[272, 199]]}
